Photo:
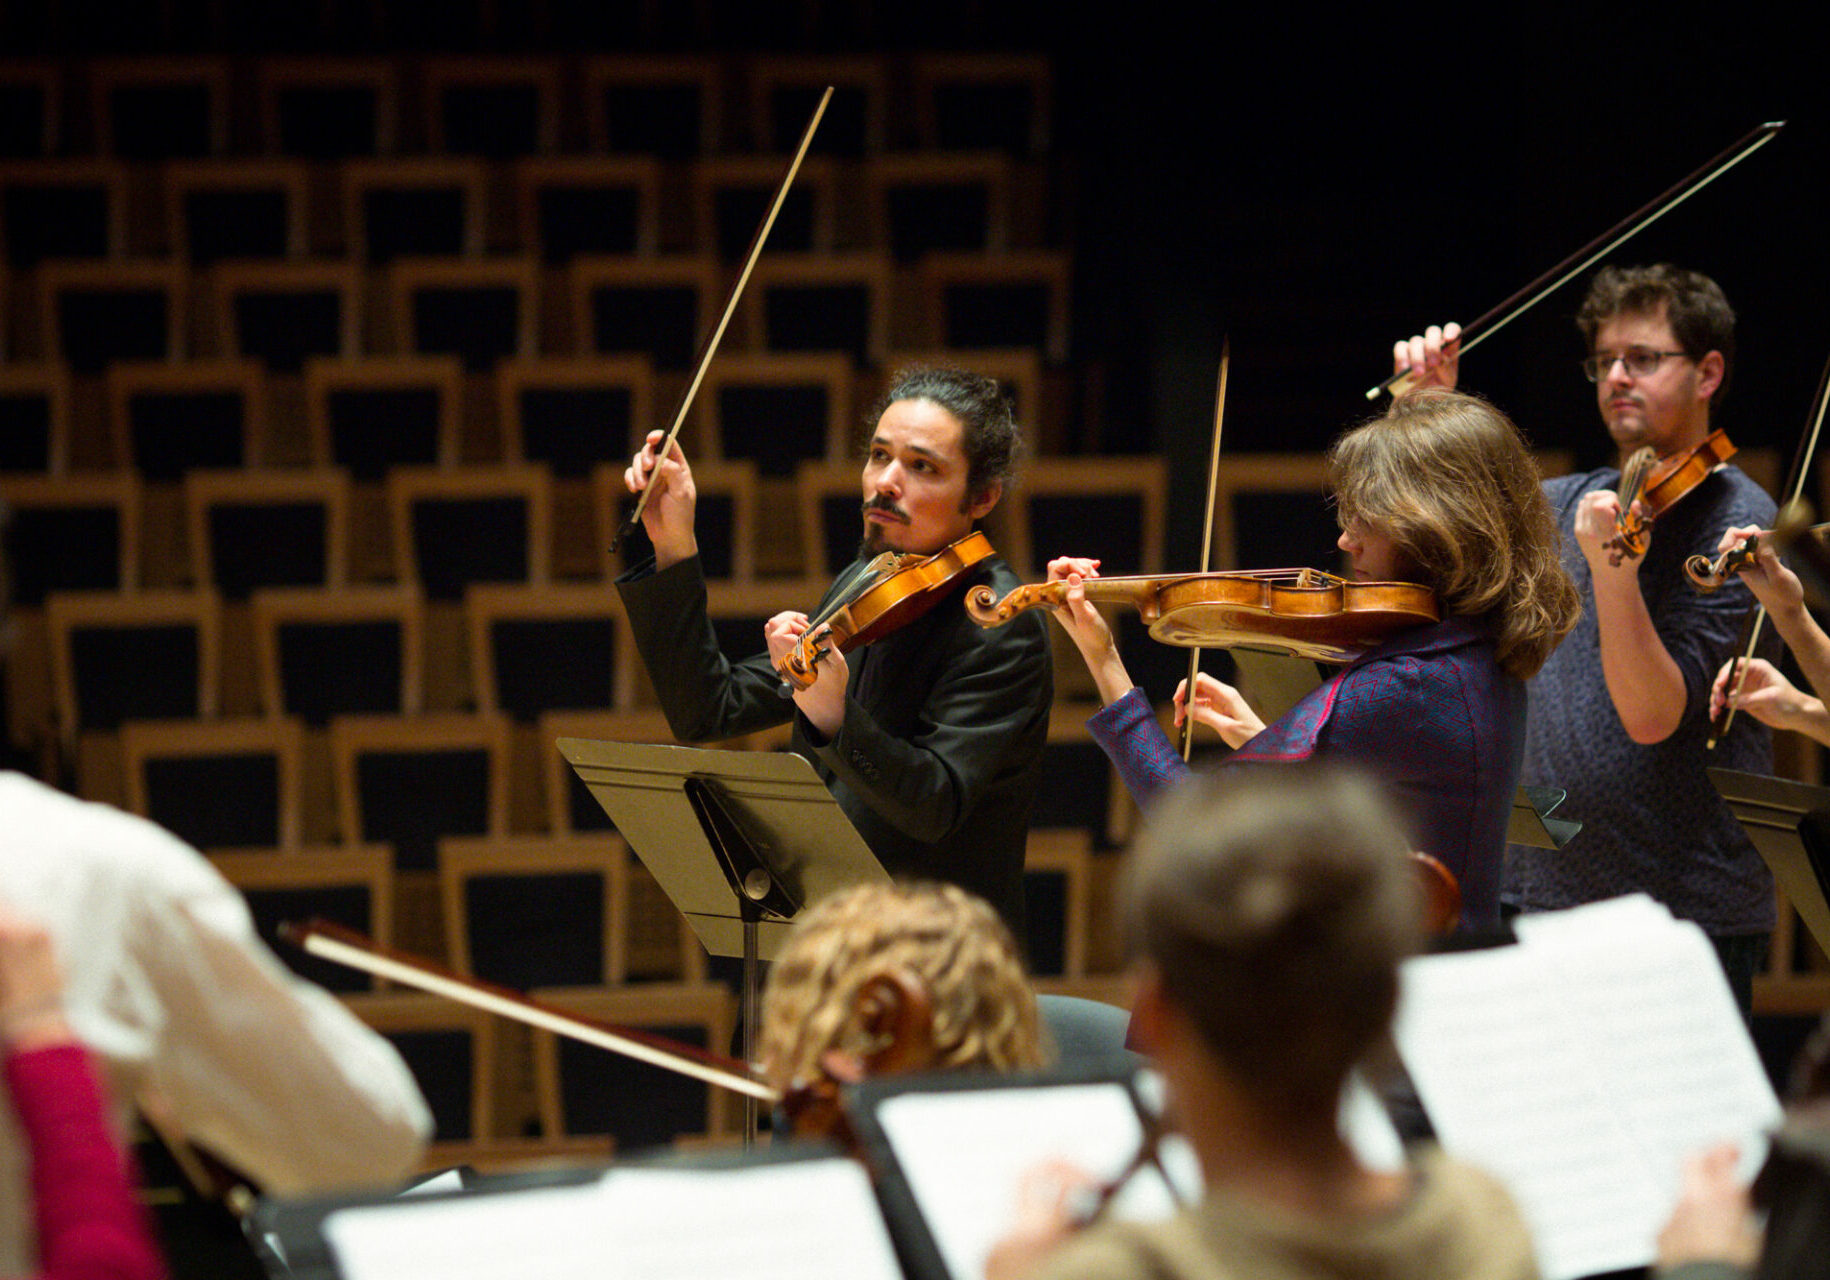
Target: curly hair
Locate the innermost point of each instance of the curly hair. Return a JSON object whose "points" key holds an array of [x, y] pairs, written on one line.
{"points": [[984, 1009], [989, 435], [1448, 477]]}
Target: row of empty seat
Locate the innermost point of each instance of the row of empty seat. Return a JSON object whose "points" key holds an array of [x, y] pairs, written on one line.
{"points": [[89, 314], [555, 207], [443, 529], [667, 105]]}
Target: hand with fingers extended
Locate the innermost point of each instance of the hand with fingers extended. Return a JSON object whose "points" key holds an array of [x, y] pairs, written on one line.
{"points": [[668, 517], [1220, 707], [1428, 359]]}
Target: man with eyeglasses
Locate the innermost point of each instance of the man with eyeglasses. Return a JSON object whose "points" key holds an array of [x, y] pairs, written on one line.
{"points": [[1619, 715]]}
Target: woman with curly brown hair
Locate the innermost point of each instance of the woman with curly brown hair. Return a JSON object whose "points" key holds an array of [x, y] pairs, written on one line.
{"points": [[1440, 491]]}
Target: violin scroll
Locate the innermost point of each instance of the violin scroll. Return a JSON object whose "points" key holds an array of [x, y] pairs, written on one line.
{"points": [[1650, 486], [987, 610]]}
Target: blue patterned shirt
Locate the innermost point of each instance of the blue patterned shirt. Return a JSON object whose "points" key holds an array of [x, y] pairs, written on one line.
{"points": [[1651, 821]]}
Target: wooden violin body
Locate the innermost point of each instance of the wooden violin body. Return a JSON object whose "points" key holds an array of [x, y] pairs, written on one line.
{"points": [[1301, 612], [895, 590], [1649, 486]]}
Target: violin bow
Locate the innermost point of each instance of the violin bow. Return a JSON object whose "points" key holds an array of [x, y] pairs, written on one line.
{"points": [[1756, 614], [347, 947], [1492, 321], [730, 308], [1207, 539]]}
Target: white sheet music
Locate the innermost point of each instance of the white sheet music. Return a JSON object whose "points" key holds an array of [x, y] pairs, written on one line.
{"points": [[1583, 1066], [965, 1153], [788, 1221]]}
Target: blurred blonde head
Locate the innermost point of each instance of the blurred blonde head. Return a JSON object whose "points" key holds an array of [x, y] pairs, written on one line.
{"points": [[950, 943]]}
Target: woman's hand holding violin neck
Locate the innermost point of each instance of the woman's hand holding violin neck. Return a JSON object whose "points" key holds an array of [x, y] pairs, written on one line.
{"points": [[1220, 707], [1428, 359], [1087, 629], [668, 517], [1774, 585]]}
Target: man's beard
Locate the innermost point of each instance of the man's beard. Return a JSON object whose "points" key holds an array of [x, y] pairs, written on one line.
{"points": [[874, 542]]}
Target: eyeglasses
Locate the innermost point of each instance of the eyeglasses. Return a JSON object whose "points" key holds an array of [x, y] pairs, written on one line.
{"points": [[1638, 360]]}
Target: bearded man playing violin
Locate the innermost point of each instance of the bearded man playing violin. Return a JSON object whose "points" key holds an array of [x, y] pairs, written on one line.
{"points": [[1441, 492], [1620, 713], [931, 738]]}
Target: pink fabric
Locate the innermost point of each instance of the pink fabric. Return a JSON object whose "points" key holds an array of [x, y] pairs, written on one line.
{"points": [[90, 1226]]}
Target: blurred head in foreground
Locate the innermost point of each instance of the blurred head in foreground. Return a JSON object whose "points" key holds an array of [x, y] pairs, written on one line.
{"points": [[1268, 910], [883, 979]]}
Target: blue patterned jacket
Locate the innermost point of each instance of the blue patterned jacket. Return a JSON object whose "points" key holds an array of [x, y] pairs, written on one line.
{"points": [[1429, 711]]}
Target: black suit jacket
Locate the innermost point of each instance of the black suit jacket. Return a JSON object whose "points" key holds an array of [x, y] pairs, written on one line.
{"points": [[939, 756]]}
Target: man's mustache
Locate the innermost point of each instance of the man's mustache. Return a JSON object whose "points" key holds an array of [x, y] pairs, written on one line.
{"points": [[886, 505]]}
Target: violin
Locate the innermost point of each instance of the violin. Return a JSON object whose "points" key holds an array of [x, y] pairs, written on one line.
{"points": [[1650, 486], [1789, 532], [1441, 894], [890, 592], [1304, 613]]}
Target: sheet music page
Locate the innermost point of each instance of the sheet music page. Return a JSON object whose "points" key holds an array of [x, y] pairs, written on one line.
{"points": [[1581, 1066], [965, 1155], [1669, 1042], [795, 1220]]}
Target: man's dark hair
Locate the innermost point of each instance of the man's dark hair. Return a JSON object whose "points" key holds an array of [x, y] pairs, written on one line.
{"points": [[1701, 319], [989, 437]]}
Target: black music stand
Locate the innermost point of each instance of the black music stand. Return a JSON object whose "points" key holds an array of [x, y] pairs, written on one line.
{"points": [[1530, 822], [739, 841], [1789, 823]]}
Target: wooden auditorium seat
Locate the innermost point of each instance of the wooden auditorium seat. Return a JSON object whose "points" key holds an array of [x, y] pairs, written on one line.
{"points": [[536, 911], [983, 101], [931, 202], [328, 108], [93, 314], [667, 106], [62, 208], [483, 310], [352, 887], [167, 108], [776, 410], [491, 106], [1019, 299], [235, 209], [570, 413], [572, 206], [168, 419], [462, 525], [409, 781], [284, 313], [731, 195], [660, 308], [250, 530], [785, 88], [321, 654], [422, 206], [820, 303], [374, 414], [586, 1091], [34, 419], [218, 784]]}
